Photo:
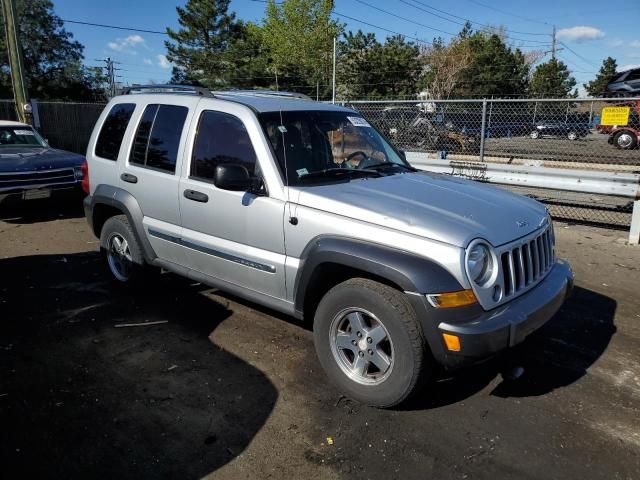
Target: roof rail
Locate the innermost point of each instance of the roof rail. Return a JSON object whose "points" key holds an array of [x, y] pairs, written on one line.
{"points": [[259, 93], [179, 89]]}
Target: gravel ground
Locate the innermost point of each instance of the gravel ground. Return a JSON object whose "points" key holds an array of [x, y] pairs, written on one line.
{"points": [[229, 390]]}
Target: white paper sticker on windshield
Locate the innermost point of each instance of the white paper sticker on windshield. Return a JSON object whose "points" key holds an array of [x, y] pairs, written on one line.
{"points": [[358, 122], [302, 171], [23, 132]]}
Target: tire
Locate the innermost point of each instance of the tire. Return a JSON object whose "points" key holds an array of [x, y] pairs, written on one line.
{"points": [[121, 252], [360, 370], [573, 136], [534, 134], [625, 140]]}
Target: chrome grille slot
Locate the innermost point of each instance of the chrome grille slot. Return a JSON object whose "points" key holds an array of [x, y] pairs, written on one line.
{"points": [[526, 262], [35, 179]]}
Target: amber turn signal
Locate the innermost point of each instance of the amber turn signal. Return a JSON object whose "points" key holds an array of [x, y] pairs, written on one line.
{"points": [[452, 299], [452, 342]]}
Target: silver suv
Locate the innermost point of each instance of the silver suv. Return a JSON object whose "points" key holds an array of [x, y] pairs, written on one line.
{"points": [[304, 208]]}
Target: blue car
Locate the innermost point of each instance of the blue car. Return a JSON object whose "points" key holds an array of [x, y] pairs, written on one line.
{"points": [[31, 169]]}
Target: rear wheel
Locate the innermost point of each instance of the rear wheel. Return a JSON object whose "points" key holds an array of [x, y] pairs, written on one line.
{"points": [[625, 140], [121, 252], [535, 134], [369, 342], [572, 135]]}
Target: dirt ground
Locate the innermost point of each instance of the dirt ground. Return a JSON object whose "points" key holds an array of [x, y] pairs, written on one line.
{"points": [[231, 391]]}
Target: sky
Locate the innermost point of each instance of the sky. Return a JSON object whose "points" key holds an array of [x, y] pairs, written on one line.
{"points": [[587, 30]]}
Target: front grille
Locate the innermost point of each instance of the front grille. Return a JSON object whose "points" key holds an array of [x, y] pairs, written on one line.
{"points": [[527, 262], [35, 179]]}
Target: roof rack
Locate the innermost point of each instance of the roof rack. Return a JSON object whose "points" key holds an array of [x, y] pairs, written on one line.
{"points": [[259, 93], [179, 89]]}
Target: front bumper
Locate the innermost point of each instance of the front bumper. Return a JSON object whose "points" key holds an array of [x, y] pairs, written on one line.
{"points": [[490, 332]]}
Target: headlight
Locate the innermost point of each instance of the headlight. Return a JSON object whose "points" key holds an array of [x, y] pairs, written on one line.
{"points": [[480, 264]]}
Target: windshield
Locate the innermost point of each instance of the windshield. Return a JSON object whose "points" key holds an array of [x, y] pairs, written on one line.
{"points": [[319, 144], [20, 136]]}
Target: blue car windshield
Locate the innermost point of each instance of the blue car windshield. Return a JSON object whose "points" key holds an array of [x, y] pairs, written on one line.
{"points": [[20, 136], [310, 144]]}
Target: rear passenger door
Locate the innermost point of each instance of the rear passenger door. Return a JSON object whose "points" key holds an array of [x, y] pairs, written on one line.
{"points": [[230, 235], [152, 170]]}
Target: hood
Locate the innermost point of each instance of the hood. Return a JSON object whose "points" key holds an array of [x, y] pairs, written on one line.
{"points": [[440, 207], [21, 159]]}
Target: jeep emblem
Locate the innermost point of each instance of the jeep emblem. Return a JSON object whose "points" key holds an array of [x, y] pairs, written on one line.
{"points": [[522, 223]]}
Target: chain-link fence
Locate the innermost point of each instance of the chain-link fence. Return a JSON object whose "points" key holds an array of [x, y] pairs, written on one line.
{"points": [[65, 125], [541, 132]]}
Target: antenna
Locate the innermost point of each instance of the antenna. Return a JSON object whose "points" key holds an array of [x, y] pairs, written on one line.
{"points": [[282, 129]]}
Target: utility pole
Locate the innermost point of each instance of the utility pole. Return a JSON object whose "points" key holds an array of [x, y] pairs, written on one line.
{"points": [[111, 77], [14, 52], [553, 44], [333, 83]]}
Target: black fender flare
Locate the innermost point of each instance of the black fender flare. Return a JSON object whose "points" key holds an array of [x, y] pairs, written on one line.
{"points": [[125, 202], [412, 273]]}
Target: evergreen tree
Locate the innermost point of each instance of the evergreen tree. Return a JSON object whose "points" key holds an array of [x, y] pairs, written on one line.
{"points": [[200, 48], [552, 79], [597, 86], [495, 69], [52, 59]]}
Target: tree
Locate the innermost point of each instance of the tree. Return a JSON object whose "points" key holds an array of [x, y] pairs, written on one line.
{"points": [[444, 64], [552, 79], [52, 59], [597, 86], [200, 48], [494, 68], [298, 35]]}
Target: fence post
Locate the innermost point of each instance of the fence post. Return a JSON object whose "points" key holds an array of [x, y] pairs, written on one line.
{"points": [[634, 232], [482, 128]]}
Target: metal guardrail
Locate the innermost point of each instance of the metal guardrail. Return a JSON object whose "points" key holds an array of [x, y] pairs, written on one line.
{"points": [[619, 184]]}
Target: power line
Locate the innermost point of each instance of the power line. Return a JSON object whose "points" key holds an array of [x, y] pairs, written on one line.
{"points": [[115, 27], [405, 19], [578, 55], [490, 7], [488, 28], [381, 28], [468, 20]]}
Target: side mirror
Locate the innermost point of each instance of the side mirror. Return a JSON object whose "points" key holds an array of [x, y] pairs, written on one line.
{"points": [[230, 176]]}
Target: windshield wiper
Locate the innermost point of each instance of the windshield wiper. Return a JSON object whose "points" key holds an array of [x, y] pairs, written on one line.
{"points": [[340, 172], [384, 165]]}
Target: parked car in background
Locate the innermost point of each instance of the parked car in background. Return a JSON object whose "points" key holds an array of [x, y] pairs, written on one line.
{"points": [[553, 128], [31, 169], [625, 84]]}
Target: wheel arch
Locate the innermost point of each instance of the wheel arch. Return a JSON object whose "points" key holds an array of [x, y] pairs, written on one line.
{"points": [[108, 201], [329, 260]]}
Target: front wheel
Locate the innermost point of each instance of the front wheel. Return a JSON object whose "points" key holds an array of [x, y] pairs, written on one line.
{"points": [[535, 134], [369, 342], [572, 135]]}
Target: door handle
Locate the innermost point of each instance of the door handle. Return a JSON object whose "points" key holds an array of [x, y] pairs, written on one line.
{"points": [[127, 177], [196, 196]]}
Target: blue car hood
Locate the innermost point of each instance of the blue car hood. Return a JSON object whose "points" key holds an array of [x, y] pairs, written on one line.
{"points": [[29, 159]]}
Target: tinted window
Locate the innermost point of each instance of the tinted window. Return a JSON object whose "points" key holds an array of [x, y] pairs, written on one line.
{"points": [[113, 128], [634, 75], [158, 137], [221, 138]]}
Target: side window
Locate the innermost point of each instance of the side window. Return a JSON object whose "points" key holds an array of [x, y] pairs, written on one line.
{"points": [[157, 139], [221, 138], [112, 132]]}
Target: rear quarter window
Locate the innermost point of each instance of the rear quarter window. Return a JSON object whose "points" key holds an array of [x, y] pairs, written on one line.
{"points": [[112, 131]]}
